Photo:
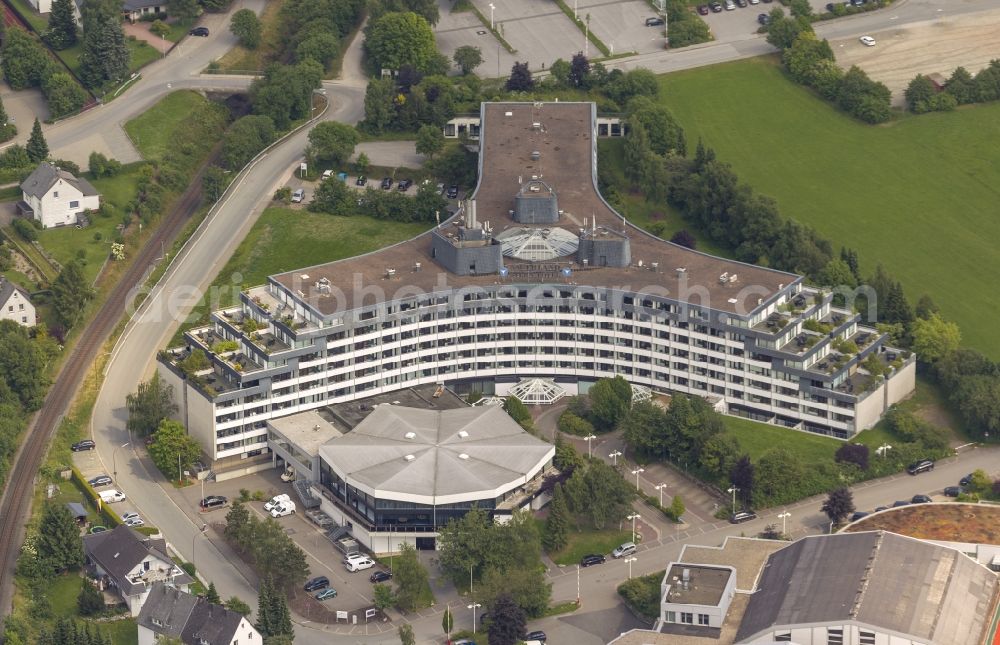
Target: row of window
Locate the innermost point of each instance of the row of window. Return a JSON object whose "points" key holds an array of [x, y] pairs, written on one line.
{"points": [[686, 618]]}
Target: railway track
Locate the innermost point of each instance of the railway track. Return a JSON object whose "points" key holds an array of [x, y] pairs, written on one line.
{"points": [[15, 506]]}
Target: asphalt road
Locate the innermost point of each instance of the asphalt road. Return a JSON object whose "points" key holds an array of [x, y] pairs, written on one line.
{"points": [[208, 250]]}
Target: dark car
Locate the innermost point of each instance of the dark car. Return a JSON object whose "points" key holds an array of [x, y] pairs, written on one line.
{"points": [[703, 9], [199, 31], [920, 499], [100, 480], [921, 466], [900, 502], [361, 181], [858, 515], [380, 576], [742, 516], [537, 635], [654, 22], [386, 183], [829, 7], [741, 3], [716, 7], [590, 560], [320, 582], [952, 491], [965, 481], [881, 508], [86, 444], [404, 184], [213, 501], [763, 19], [452, 192]]}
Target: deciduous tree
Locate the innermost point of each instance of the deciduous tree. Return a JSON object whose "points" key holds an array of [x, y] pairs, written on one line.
{"points": [[89, 601], [934, 337], [172, 450], [610, 399], [331, 143], [507, 621], [237, 605], [520, 79], [838, 505], [919, 94], [183, 10], [413, 582], [468, 58], [246, 137], [430, 140], [396, 39], [151, 403], [245, 25]]}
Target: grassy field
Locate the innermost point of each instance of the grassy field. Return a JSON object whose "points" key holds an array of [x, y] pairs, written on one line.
{"points": [[757, 438], [284, 239], [154, 130], [140, 54], [918, 195], [586, 542]]}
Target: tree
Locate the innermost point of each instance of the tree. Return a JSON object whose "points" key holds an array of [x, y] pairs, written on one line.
{"points": [[520, 79], [507, 621], [59, 545], [800, 8], [379, 111], [677, 508], [610, 400], [245, 25], [742, 477], [183, 10], [105, 56], [961, 86], [555, 535], [61, 33], [777, 470], [783, 30], [838, 505], [37, 147], [89, 601], [636, 150], [396, 39], [519, 412], [212, 594], [24, 59], [362, 163], [864, 98], [332, 143], [412, 580], [7, 129], [934, 337], [468, 58], [273, 617], [853, 453], [430, 140], [70, 294], [599, 494], [685, 239], [919, 94], [579, 71], [172, 448], [665, 135], [284, 92], [237, 605], [151, 403], [246, 137], [447, 621], [926, 307], [406, 636], [383, 596], [334, 197]]}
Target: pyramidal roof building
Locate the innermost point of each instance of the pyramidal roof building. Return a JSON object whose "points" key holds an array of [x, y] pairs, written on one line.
{"points": [[535, 276]]}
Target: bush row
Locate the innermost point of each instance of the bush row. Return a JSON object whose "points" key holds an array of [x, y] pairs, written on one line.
{"points": [[961, 89], [27, 63]]}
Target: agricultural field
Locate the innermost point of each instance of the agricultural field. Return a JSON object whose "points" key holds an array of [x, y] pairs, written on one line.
{"points": [[918, 194]]}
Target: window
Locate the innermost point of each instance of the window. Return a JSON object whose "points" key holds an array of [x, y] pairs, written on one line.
{"points": [[687, 618], [74, 204], [783, 637], [834, 636], [866, 638], [10, 308], [671, 617], [702, 619], [20, 307], [56, 194]]}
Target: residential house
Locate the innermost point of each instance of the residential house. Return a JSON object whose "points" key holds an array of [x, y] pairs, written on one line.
{"points": [[55, 197], [41, 6], [15, 304], [130, 563], [134, 10], [171, 613]]}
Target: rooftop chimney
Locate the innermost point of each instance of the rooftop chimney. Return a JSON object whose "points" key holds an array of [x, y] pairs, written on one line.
{"points": [[470, 214]]}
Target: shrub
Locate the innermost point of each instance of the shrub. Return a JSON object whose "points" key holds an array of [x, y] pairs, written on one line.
{"points": [[574, 425], [642, 594], [25, 229], [854, 453]]}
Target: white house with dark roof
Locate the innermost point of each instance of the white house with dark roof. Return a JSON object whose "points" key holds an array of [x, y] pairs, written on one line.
{"points": [[55, 197], [131, 563], [171, 613], [15, 304]]}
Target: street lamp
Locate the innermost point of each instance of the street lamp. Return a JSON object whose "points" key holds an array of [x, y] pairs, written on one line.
{"points": [[630, 561], [633, 517], [473, 607], [590, 438], [733, 490], [114, 460], [615, 454], [637, 472], [660, 488], [784, 516], [492, 8]]}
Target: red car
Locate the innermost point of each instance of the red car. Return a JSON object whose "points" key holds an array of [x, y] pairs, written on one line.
{"points": [[703, 9]]}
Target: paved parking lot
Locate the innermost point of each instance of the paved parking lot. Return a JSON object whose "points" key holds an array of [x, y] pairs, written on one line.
{"points": [[537, 29], [621, 25], [463, 28], [90, 466], [739, 23]]}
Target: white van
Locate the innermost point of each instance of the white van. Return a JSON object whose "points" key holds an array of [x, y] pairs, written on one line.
{"points": [[112, 496], [283, 509], [359, 564], [277, 500]]}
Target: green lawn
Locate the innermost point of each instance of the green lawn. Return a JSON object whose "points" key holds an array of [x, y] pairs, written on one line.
{"points": [[62, 592], [284, 239], [141, 54], [38, 21], [586, 542], [918, 194], [757, 438], [155, 129], [66, 243]]}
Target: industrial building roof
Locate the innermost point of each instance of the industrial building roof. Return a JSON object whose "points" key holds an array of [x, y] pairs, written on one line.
{"points": [[891, 582], [563, 135], [437, 456], [307, 430], [696, 584]]}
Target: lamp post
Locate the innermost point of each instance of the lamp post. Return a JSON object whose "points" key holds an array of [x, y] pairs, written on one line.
{"points": [[633, 517], [630, 561], [660, 488], [615, 454], [733, 490], [114, 460], [589, 438], [784, 516], [637, 472], [473, 607], [492, 9]]}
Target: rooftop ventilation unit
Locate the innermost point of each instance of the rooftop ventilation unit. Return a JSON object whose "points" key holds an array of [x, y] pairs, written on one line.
{"points": [[640, 264], [410, 435], [409, 457], [416, 267], [390, 273], [535, 155], [681, 271], [732, 278], [654, 265], [536, 126], [733, 301], [463, 434], [304, 276], [508, 113], [724, 278]]}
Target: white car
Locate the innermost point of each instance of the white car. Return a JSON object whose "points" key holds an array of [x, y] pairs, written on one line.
{"points": [[277, 500], [134, 522], [327, 174], [298, 196], [867, 41], [359, 565], [283, 509], [128, 516]]}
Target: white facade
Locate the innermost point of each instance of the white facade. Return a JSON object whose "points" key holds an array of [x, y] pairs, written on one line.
{"points": [[18, 308], [61, 205], [149, 570], [840, 634], [42, 6], [674, 610], [245, 635]]}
